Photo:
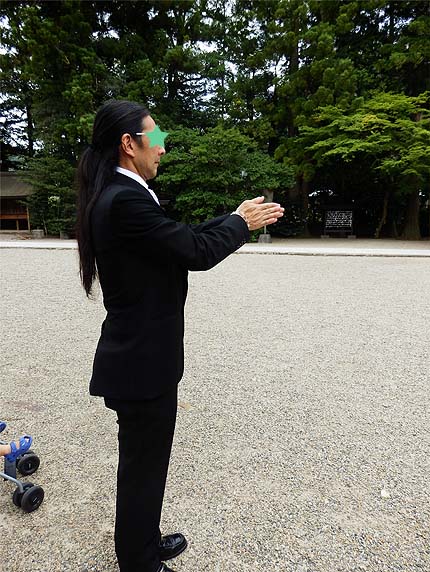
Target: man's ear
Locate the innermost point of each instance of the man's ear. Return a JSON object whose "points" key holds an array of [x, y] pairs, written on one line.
{"points": [[127, 145]]}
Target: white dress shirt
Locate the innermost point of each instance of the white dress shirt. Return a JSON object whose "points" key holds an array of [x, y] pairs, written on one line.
{"points": [[139, 179]]}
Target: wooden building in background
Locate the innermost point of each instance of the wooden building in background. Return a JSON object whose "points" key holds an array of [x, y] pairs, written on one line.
{"points": [[13, 211]]}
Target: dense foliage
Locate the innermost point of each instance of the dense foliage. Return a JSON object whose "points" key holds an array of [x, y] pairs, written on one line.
{"points": [[326, 102], [213, 172]]}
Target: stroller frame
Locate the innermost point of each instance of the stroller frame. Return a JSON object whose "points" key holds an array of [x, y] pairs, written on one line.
{"points": [[27, 495]]}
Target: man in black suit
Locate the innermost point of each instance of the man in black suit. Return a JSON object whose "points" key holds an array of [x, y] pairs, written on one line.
{"points": [[142, 258]]}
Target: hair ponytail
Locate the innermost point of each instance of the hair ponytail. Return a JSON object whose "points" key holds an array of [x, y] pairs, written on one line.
{"points": [[96, 169], [94, 174]]}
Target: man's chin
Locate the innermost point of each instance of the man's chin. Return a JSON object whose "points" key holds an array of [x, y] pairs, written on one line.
{"points": [[150, 175]]}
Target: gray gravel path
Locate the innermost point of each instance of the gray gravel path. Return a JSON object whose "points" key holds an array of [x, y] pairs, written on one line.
{"points": [[306, 395], [288, 246]]}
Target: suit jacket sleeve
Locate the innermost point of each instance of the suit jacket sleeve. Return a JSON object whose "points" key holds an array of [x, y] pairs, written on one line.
{"points": [[142, 224], [208, 224]]}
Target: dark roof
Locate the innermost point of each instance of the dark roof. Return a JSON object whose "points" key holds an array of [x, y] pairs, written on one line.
{"points": [[12, 186]]}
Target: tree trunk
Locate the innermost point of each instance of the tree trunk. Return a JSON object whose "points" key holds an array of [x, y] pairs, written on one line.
{"points": [[411, 230], [299, 194], [30, 130], [391, 26], [294, 56], [224, 57], [294, 66], [394, 233], [305, 203], [384, 214]]}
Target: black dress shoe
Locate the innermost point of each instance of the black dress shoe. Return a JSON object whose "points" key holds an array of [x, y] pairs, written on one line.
{"points": [[165, 568], [171, 546]]}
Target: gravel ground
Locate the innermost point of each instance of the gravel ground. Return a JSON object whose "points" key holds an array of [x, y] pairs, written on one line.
{"points": [[302, 442]]}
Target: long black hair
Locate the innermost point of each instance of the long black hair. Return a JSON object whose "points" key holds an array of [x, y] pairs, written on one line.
{"points": [[96, 169]]}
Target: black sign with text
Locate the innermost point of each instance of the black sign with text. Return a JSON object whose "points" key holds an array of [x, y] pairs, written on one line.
{"points": [[338, 221]]}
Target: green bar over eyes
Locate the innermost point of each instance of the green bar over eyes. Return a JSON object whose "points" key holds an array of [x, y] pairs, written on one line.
{"points": [[156, 136]]}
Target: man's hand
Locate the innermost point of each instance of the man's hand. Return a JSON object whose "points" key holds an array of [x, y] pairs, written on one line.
{"points": [[257, 214]]}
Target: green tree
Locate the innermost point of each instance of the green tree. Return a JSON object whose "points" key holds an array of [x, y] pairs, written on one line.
{"points": [[52, 205], [53, 66], [386, 138], [264, 67], [212, 173], [18, 85]]}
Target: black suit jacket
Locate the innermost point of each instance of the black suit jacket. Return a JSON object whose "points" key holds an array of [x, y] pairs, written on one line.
{"points": [[143, 258]]}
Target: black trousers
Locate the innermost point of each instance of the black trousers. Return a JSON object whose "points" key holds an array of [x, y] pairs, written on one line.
{"points": [[145, 437]]}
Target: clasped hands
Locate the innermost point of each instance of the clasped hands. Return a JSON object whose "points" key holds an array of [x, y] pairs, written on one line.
{"points": [[257, 213]]}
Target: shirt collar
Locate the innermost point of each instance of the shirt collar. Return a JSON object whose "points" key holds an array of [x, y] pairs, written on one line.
{"points": [[139, 179]]}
